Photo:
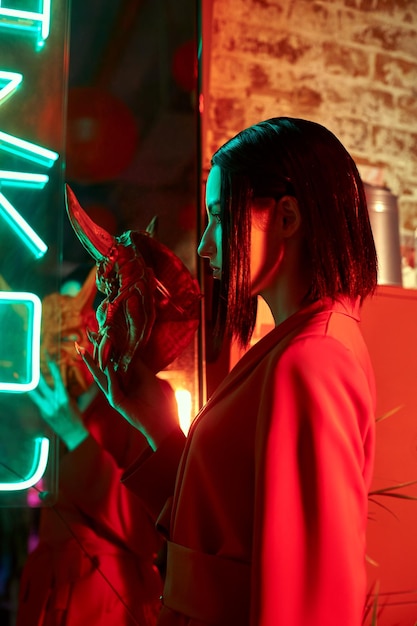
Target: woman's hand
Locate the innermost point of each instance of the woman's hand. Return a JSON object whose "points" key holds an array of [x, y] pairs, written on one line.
{"points": [[58, 410], [144, 400]]}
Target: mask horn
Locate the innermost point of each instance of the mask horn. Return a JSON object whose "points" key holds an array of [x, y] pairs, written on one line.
{"points": [[152, 227], [97, 241]]}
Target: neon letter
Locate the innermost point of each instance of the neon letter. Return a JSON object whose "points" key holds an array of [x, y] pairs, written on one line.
{"points": [[40, 461], [27, 150], [9, 82], [28, 21], [31, 152], [25, 364]]}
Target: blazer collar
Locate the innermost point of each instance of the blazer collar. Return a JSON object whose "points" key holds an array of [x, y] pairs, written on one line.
{"points": [[257, 352]]}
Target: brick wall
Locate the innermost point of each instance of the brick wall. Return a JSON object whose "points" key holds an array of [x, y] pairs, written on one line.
{"points": [[348, 64]]}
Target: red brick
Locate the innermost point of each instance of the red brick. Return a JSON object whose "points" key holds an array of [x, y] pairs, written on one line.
{"points": [[401, 10], [393, 142], [353, 133], [360, 103], [229, 112], [286, 47], [312, 17], [407, 112], [397, 72], [259, 78], [386, 37], [249, 11], [345, 60]]}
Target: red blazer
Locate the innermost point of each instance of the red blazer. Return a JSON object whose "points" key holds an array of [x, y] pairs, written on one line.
{"points": [[94, 563], [267, 522]]}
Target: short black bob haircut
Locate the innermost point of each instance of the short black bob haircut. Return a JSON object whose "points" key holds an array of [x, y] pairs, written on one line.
{"points": [[290, 156]]}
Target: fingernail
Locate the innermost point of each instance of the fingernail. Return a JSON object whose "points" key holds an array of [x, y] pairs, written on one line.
{"points": [[79, 349]]}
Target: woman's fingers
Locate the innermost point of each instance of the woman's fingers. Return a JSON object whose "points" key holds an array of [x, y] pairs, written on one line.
{"points": [[42, 395], [59, 384], [98, 375]]}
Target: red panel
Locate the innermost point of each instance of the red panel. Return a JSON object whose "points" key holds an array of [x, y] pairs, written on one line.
{"points": [[389, 324]]}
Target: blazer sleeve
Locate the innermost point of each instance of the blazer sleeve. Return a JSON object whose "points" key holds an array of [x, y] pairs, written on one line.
{"points": [[147, 476], [90, 478], [113, 433], [313, 496], [152, 477]]}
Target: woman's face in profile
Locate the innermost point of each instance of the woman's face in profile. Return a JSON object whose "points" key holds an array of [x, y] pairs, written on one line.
{"points": [[211, 241]]}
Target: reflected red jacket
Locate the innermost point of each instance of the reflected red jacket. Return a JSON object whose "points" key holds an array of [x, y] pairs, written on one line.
{"points": [[94, 563], [266, 522]]}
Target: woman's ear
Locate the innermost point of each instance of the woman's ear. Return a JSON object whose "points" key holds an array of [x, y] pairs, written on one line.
{"points": [[289, 215]]}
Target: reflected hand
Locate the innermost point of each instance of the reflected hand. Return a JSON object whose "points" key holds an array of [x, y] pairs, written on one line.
{"points": [[58, 410], [143, 399]]}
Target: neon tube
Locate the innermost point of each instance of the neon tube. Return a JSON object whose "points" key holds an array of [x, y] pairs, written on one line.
{"points": [[33, 335], [19, 225], [12, 81], [39, 464], [27, 150], [21, 179], [29, 21]]}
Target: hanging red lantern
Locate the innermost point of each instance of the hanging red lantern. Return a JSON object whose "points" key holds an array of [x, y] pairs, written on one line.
{"points": [[102, 135], [184, 66], [187, 217]]}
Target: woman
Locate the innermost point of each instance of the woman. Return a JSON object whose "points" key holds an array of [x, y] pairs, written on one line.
{"points": [[266, 517], [94, 562]]}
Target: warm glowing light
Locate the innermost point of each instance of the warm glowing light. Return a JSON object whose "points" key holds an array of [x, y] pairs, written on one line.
{"points": [[21, 228], [31, 369], [21, 179], [184, 404], [28, 21], [27, 150], [9, 82], [40, 461], [379, 207]]}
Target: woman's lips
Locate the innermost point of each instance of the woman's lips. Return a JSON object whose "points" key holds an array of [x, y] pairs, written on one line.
{"points": [[216, 272]]}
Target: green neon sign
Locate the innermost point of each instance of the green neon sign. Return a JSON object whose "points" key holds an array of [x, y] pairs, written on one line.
{"points": [[32, 23], [25, 43]]}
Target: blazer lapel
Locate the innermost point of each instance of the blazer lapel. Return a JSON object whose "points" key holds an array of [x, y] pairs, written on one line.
{"points": [[258, 352]]}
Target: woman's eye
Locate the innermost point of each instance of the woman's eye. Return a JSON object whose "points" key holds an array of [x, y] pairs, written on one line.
{"points": [[217, 217]]}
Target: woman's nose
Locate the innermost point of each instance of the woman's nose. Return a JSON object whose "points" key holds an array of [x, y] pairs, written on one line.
{"points": [[203, 249]]}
